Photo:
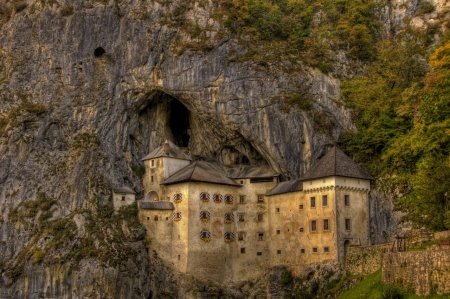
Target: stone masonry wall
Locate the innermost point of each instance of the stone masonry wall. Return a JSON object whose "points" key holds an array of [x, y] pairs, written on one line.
{"points": [[425, 272], [364, 260]]}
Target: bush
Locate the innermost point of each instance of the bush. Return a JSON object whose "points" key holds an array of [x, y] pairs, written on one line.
{"points": [[38, 256], [391, 292], [426, 7], [286, 277]]}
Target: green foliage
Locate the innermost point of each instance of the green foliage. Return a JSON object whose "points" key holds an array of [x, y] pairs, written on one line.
{"points": [[286, 277], [85, 140], [426, 7], [139, 171], [38, 256]]}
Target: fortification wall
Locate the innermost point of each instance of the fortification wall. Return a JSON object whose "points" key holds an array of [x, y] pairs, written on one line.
{"points": [[364, 260], [425, 272]]}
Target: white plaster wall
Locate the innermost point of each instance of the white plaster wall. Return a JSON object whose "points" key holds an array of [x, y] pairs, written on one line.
{"points": [[117, 200], [172, 165], [336, 181]]}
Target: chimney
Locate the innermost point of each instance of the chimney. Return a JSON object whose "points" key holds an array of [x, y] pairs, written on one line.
{"points": [[166, 147]]}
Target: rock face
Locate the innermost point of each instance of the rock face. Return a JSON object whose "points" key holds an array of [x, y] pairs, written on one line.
{"points": [[88, 88]]}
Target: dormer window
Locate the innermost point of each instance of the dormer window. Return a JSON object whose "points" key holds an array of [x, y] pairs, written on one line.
{"points": [[229, 199], [177, 198], [217, 198], [205, 216], [229, 237], [204, 197], [229, 218]]}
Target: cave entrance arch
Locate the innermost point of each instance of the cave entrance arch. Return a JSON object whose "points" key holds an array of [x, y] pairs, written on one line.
{"points": [[152, 196], [179, 122]]}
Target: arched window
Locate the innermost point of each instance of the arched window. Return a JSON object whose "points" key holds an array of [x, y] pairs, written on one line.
{"points": [[229, 237], [217, 198], [205, 236], [205, 216], [204, 197], [177, 198], [177, 216], [229, 218]]}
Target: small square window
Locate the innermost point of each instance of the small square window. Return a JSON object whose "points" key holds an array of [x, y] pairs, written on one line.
{"points": [[241, 217], [151, 179], [148, 218], [300, 207], [259, 253], [123, 198], [301, 229], [325, 225], [348, 225], [260, 236], [156, 218], [313, 202], [242, 182], [326, 249], [278, 251], [347, 200], [314, 250], [313, 225], [243, 250], [260, 217], [277, 210], [260, 198], [324, 200], [241, 198], [240, 236], [278, 231], [302, 250], [167, 218], [153, 163]]}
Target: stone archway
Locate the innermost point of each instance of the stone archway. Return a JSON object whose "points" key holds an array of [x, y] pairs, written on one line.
{"points": [[346, 245], [152, 196]]}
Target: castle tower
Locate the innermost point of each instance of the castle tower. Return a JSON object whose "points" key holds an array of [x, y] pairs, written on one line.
{"points": [[160, 164]]}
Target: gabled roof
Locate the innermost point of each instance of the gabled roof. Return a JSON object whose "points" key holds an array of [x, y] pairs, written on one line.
{"points": [[286, 187], [336, 163], [124, 190], [247, 172], [156, 205], [201, 171], [174, 152]]}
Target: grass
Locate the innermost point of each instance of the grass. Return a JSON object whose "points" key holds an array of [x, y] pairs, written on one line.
{"points": [[371, 287], [425, 245]]}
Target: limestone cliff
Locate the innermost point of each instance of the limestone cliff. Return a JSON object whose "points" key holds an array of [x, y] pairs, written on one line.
{"points": [[88, 87]]}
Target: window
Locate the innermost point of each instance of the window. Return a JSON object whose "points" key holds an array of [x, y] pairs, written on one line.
{"points": [[260, 236], [205, 236], [260, 198], [300, 207], [301, 229], [326, 249], [324, 200], [278, 251], [179, 257], [229, 199], [241, 236], [229, 218], [217, 198], [243, 250], [348, 224], [241, 198], [204, 196], [205, 216], [313, 202], [148, 218], [302, 250], [313, 225], [167, 218], [123, 198], [153, 163], [277, 210], [177, 216], [278, 231], [151, 179], [261, 180], [259, 253], [325, 224], [241, 217], [242, 182], [177, 198], [347, 200], [229, 237], [314, 250], [260, 217], [155, 218]]}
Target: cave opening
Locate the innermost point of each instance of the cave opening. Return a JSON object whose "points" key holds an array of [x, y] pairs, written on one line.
{"points": [[179, 123], [99, 52]]}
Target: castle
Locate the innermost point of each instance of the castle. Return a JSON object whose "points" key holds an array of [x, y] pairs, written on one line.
{"points": [[232, 224]]}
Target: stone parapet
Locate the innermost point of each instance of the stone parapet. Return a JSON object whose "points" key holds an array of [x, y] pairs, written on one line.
{"points": [[364, 260]]}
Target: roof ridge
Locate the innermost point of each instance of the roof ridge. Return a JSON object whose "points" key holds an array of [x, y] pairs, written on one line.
{"points": [[194, 165]]}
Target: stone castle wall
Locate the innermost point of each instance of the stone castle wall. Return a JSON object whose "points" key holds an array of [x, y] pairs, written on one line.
{"points": [[365, 260], [425, 272]]}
